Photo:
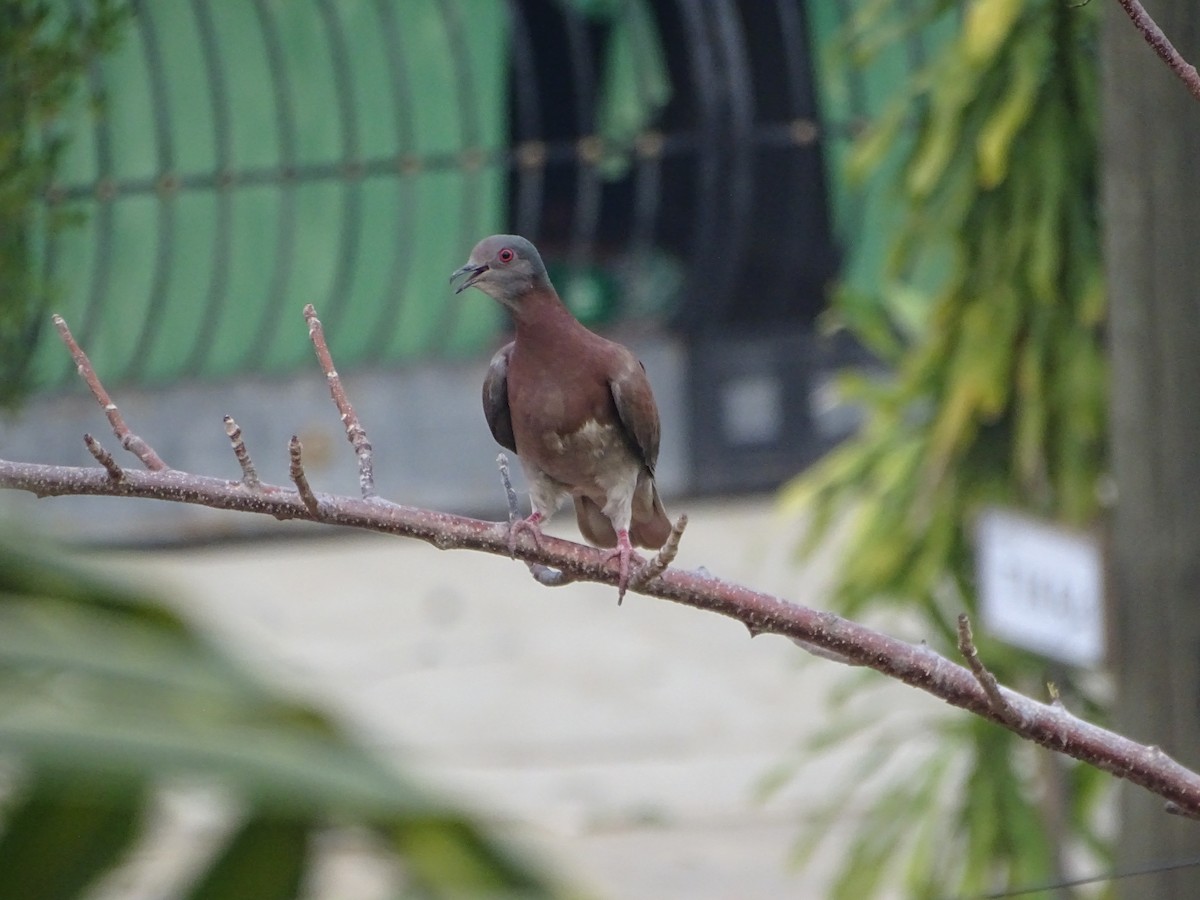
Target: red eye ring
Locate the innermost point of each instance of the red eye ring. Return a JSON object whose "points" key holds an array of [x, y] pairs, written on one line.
{"points": [[506, 255]]}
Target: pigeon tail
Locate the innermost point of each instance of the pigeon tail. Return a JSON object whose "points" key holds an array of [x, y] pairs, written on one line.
{"points": [[649, 528], [594, 524]]}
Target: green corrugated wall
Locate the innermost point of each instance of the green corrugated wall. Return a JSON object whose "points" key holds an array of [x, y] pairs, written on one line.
{"points": [[153, 324]]}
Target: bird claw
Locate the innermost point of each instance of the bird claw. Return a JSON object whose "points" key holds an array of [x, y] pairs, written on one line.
{"points": [[625, 555], [530, 527]]}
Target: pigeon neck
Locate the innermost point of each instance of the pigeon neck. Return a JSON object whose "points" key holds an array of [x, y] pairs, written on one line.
{"points": [[540, 311]]}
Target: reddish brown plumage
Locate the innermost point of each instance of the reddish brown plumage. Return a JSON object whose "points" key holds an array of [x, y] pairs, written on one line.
{"points": [[560, 377], [575, 407]]}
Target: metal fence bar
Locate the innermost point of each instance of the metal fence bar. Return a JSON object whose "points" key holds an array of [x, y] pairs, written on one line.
{"points": [[350, 165], [164, 152], [528, 136], [740, 179], [587, 192], [471, 163], [802, 129], [104, 192], [400, 87], [217, 295], [647, 181], [707, 89], [285, 129]]}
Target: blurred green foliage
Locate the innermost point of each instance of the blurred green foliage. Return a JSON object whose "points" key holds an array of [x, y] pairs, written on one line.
{"points": [[108, 698], [45, 48], [990, 317]]}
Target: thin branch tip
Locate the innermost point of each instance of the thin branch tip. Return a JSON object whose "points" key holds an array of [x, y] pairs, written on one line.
{"points": [[249, 473], [129, 441], [102, 456], [663, 558], [966, 645], [296, 471], [546, 576], [355, 433], [510, 493]]}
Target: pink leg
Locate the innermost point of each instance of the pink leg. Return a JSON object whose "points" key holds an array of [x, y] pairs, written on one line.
{"points": [[528, 525], [624, 554]]}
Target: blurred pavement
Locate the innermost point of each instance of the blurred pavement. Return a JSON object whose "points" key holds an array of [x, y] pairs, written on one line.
{"points": [[625, 744]]}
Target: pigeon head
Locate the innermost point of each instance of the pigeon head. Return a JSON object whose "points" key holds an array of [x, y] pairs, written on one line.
{"points": [[503, 266]]}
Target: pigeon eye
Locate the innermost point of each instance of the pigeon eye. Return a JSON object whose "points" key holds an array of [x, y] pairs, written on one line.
{"points": [[506, 255]]}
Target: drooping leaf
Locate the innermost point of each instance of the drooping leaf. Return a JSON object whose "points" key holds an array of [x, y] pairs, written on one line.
{"points": [[102, 689], [997, 390], [64, 832], [264, 859]]}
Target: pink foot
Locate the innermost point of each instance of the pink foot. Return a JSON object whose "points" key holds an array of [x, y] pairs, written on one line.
{"points": [[624, 554], [529, 526]]}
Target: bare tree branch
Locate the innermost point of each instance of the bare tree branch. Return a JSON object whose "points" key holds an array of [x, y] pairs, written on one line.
{"points": [[355, 433], [543, 575], [103, 457], [666, 555], [916, 665], [249, 474], [1162, 45], [987, 681], [296, 471], [128, 439]]}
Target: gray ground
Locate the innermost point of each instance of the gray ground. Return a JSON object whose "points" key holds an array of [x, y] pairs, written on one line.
{"points": [[625, 743]]}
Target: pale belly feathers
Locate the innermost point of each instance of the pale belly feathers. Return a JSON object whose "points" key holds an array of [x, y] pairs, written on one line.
{"points": [[595, 461], [589, 460]]}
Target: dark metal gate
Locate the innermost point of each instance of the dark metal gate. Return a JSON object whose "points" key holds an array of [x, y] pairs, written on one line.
{"points": [[728, 180], [254, 156]]}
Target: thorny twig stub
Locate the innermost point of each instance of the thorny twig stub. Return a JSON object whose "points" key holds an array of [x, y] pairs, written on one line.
{"points": [[249, 472], [542, 574], [103, 457], [966, 645], [296, 470], [128, 439], [666, 555], [355, 433]]}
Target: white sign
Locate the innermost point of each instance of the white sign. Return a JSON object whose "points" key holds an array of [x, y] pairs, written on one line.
{"points": [[1041, 586]]}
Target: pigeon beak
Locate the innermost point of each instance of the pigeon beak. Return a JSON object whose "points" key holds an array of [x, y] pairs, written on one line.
{"points": [[473, 273]]}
